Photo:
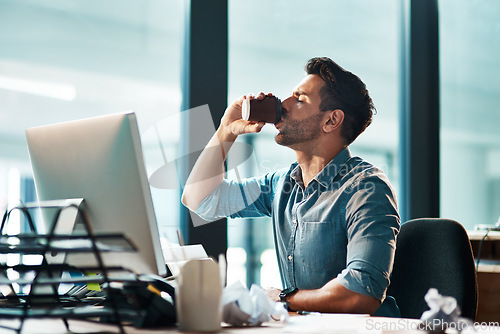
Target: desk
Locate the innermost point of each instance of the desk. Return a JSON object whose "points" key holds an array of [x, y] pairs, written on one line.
{"points": [[488, 274], [326, 323]]}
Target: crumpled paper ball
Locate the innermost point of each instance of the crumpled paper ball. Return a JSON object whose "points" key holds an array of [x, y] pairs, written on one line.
{"points": [[241, 307], [444, 313]]}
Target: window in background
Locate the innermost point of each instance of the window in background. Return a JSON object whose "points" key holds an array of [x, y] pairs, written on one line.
{"points": [[66, 60], [470, 117], [269, 44]]}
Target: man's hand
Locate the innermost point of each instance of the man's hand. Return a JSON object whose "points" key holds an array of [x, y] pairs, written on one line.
{"points": [[232, 121], [273, 294]]}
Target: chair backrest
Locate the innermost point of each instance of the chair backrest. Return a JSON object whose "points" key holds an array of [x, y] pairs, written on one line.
{"points": [[433, 253]]}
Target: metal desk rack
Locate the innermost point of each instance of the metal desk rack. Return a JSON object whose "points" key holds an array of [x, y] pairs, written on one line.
{"points": [[44, 279]]}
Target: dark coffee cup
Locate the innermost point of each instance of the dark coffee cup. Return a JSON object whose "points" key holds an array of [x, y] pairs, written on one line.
{"points": [[267, 110]]}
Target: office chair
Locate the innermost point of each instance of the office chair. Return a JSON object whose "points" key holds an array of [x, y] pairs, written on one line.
{"points": [[433, 253]]}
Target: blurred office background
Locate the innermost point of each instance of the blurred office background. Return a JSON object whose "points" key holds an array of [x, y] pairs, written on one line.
{"points": [[63, 60]]}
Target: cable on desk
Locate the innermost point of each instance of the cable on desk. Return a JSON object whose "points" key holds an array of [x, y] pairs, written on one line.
{"points": [[479, 249]]}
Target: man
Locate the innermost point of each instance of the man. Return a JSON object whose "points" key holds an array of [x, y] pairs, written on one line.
{"points": [[335, 216]]}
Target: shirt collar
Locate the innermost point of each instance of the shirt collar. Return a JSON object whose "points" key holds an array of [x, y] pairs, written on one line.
{"points": [[296, 173], [328, 173]]}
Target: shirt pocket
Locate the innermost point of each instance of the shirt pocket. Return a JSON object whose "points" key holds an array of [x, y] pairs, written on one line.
{"points": [[320, 252]]}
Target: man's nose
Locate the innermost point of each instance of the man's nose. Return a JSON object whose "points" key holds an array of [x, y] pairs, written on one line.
{"points": [[286, 103]]}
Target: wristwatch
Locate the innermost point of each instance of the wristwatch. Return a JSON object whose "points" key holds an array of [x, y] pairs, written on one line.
{"points": [[284, 294]]}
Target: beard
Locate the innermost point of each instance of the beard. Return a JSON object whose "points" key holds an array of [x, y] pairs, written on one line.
{"points": [[294, 132]]}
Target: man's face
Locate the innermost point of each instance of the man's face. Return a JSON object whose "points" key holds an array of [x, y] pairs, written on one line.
{"points": [[302, 121]]}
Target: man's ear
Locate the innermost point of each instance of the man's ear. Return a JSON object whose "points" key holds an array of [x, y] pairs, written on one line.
{"points": [[334, 120]]}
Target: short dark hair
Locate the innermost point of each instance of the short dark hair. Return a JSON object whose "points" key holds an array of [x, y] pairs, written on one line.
{"points": [[343, 90]]}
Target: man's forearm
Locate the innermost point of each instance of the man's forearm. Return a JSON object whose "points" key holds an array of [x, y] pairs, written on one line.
{"points": [[208, 172], [333, 297]]}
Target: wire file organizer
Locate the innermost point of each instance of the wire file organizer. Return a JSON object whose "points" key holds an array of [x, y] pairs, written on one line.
{"points": [[34, 290]]}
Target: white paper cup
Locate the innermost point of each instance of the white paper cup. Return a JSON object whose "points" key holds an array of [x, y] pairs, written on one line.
{"points": [[199, 297]]}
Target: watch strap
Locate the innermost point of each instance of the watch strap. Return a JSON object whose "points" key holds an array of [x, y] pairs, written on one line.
{"points": [[287, 293]]}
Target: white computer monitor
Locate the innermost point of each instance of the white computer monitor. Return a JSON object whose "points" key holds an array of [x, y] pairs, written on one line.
{"points": [[100, 160]]}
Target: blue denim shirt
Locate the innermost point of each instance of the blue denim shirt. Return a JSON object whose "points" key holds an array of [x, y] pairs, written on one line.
{"points": [[343, 224]]}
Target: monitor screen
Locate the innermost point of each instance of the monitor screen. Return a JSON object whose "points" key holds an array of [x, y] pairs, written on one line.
{"points": [[100, 160]]}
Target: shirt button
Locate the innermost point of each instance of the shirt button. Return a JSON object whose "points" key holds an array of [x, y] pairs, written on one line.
{"points": [[290, 257], [294, 221]]}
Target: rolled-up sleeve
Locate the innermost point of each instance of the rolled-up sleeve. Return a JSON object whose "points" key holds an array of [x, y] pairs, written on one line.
{"points": [[372, 223], [251, 197]]}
